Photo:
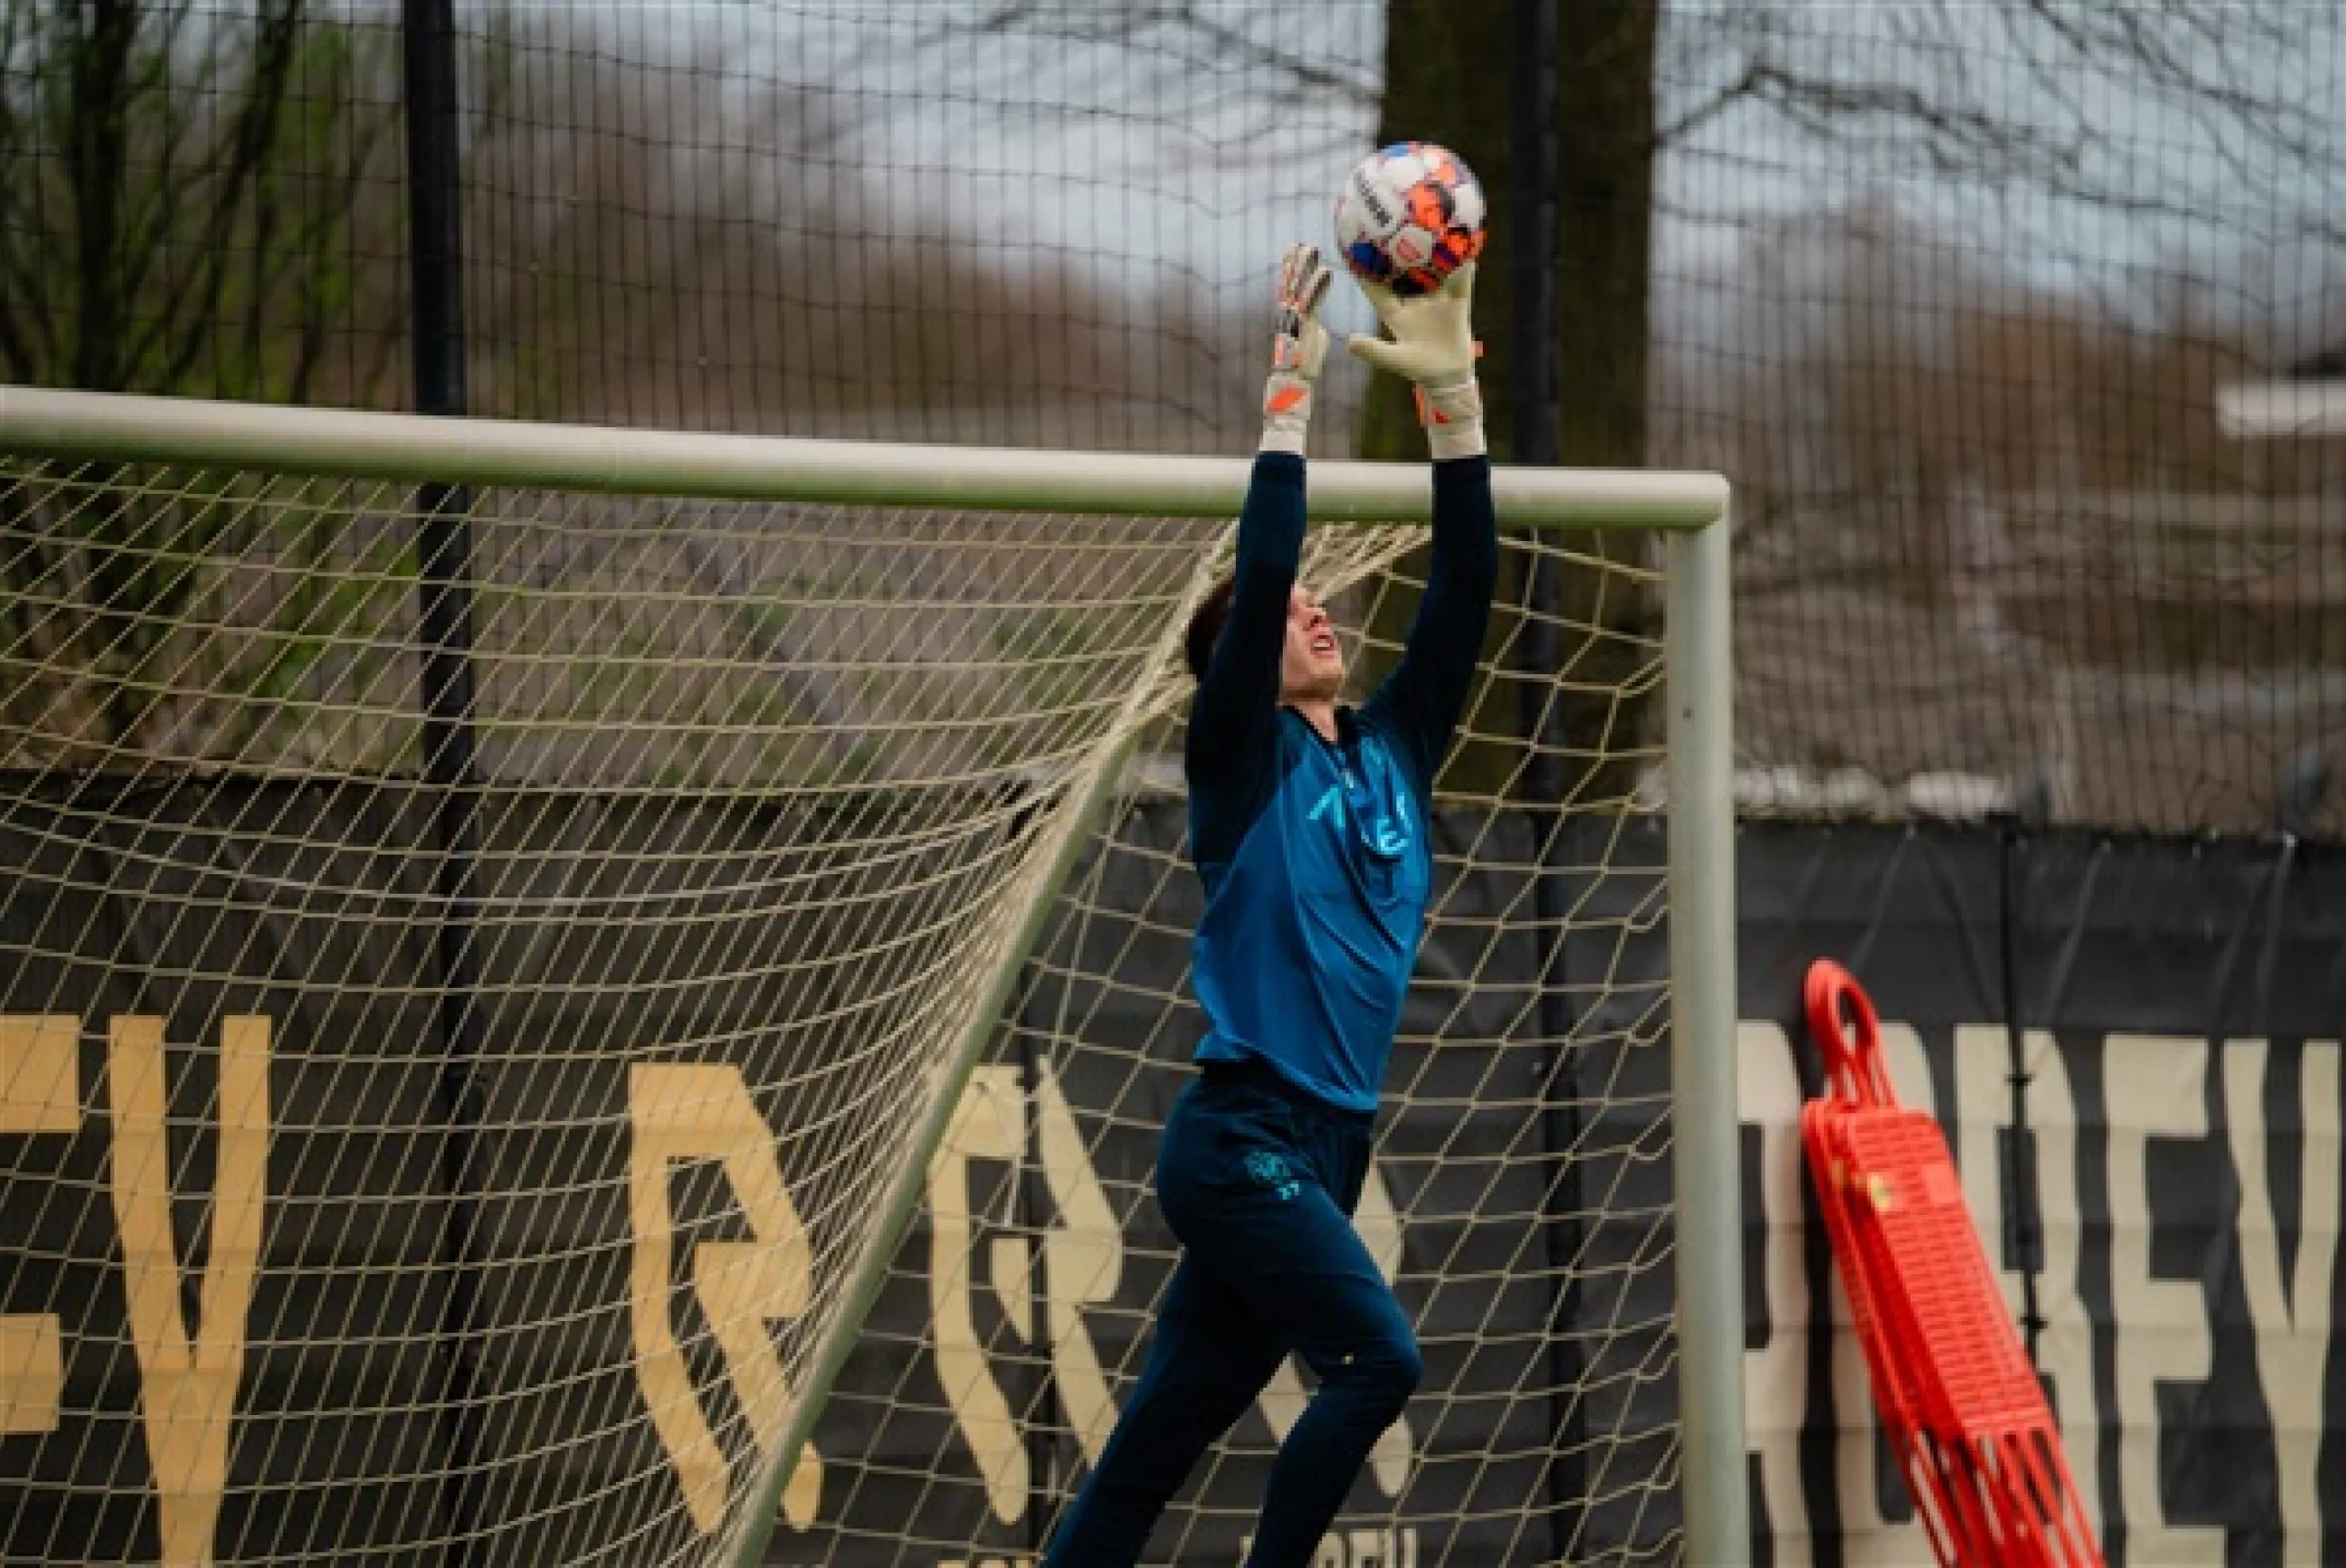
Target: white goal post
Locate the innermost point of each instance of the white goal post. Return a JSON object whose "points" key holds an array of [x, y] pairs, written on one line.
{"points": [[60, 450]]}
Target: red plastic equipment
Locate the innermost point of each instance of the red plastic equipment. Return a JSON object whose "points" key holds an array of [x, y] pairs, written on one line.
{"points": [[1963, 1408]]}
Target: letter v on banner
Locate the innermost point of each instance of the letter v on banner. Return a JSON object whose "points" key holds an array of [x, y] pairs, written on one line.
{"points": [[2290, 1308], [187, 1385], [704, 1112]]}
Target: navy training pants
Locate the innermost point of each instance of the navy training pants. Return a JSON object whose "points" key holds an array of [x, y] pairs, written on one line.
{"points": [[1259, 1181]]}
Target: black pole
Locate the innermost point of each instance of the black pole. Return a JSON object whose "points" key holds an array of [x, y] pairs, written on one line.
{"points": [[1532, 397], [451, 772], [2024, 1233]]}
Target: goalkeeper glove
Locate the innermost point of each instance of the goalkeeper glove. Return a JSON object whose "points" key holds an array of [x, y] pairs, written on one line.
{"points": [[1433, 347], [1299, 347]]}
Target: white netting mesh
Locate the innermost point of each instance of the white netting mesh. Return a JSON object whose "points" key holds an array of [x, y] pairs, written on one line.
{"points": [[1520, 1196], [471, 1173]]}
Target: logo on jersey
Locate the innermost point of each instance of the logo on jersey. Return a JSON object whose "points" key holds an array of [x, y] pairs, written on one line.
{"points": [[1393, 836], [1267, 1169], [1388, 836]]}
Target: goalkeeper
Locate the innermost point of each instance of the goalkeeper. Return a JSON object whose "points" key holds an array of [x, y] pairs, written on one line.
{"points": [[1308, 822]]}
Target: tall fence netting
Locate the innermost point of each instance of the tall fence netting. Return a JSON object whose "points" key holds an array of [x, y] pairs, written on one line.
{"points": [[1948, 290]]}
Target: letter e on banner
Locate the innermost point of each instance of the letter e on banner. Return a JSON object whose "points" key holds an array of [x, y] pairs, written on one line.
{"points": [[2155, 1086]]}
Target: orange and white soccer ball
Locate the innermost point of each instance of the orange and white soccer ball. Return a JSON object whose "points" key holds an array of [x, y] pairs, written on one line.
{"points": [[1409, 216]]}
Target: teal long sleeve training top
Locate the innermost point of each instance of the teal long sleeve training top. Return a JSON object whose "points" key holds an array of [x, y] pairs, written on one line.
{"points": [[1314, 854]]}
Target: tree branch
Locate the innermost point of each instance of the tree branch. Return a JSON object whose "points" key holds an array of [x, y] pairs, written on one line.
{"points": [[23, 305], [1129, 27], [254, 132], [147, 238]]}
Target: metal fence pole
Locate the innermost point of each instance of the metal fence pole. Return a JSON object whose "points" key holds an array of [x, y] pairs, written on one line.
{"points": [[451, 771], [1532, 399]]}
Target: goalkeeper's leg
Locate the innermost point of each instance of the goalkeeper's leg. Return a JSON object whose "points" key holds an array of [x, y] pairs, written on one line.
{"points": [[1259, 1181], [1208, 1360], [1366, 1358], [1309, 1279]]}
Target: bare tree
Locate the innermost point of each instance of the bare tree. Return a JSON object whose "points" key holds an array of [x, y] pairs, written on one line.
{"points": [[652, 234], [219, 186], [2020, 92], [188, 203], [658, 235], [2004, 99]]}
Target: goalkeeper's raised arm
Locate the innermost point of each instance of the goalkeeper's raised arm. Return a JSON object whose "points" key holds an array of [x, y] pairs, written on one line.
{"points": [[1238, 642], [1432, 346]]}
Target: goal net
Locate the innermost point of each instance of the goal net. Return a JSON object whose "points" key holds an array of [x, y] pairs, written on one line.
{"points": [[575, 996]]}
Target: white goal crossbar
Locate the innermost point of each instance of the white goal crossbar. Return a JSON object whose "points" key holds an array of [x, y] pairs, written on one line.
{"points": [[1691, 509], [38, 423]]}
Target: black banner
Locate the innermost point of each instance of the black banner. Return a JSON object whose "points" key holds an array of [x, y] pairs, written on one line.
{"points": [[221, 1283], [2133, 1047]]}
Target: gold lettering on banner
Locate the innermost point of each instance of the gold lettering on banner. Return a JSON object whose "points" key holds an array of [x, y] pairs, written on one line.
{"points": [[2156, 1093], [188, 1386], [1083, 1259], [1344, 1548], [693, 1111], [989, 1124], [40, 1092], [40, 1073], [2290, 1308], [32, 1373]]}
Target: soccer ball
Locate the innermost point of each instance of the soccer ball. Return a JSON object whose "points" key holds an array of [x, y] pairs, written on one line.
{"points": [[1410, 216]]}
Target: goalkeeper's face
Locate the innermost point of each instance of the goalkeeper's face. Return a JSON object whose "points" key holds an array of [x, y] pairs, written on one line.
{"points": [[1312, 667]]}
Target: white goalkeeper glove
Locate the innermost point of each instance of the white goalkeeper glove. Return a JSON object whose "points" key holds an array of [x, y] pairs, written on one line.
{"points": [[1299, 347], [1432, 346]]}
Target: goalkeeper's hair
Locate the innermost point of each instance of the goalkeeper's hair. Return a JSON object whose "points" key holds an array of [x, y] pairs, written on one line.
{"points": [[1206, 625]]}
